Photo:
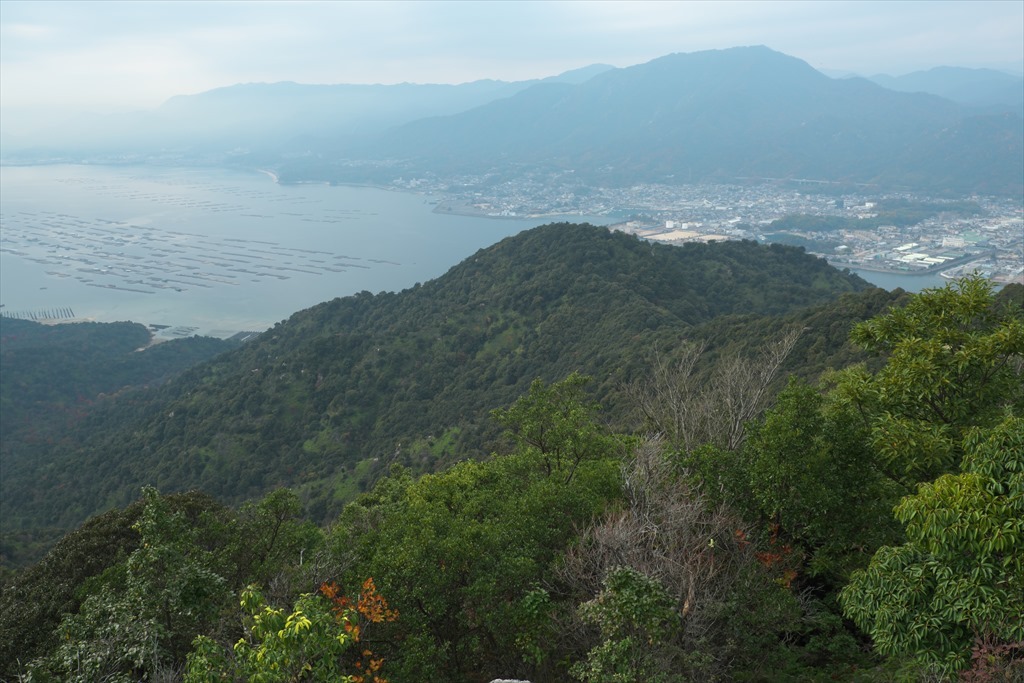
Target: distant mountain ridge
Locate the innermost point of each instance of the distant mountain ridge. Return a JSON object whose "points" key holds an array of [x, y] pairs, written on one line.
{"points": [[711, 116], [269, 119], [335, 114], [717, 115], [972, 87]]}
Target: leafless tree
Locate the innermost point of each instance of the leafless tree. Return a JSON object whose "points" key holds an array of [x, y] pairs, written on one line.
{"points": [[669, 532], [691, 409]]}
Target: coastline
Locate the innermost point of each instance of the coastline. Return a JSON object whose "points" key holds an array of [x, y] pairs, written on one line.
{"points": [[931, 270], [273, 176], [446, 208], [217, 224], [449, 209]]}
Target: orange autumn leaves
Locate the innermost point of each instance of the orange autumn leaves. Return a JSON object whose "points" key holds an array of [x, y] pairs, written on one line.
{"points": [[371, 607]]}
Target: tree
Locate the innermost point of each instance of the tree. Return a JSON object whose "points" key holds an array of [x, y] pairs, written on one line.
{"points": [[946, 416], [807, 471], [691, 410], [559, 423], [958, 581], [637, 619], [147, 609], [826, 464], [461, 551], [314, 642], [955, 360], [464, 551], [271, 536], [671, 584]]}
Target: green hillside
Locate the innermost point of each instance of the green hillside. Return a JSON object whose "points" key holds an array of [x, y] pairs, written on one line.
{"points": [[327, 400], [52, 377], [57, 372]]}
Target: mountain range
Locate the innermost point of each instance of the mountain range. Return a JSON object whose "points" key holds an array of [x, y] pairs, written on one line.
{"points": [[982, 88], [275, 119], [719, 115], [716, 115]]}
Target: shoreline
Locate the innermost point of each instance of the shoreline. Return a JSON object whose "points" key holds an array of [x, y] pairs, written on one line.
{"points": [[361, 206], [273, 176], [886, 271], [448, 210], [441, 208]]}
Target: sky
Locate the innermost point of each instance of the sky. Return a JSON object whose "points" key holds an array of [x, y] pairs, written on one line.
{"points": [[106, 56]]}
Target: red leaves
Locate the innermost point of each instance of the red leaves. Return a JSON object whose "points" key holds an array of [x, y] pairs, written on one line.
{"points": [[777, 554], [371, 607], [372, 604]]}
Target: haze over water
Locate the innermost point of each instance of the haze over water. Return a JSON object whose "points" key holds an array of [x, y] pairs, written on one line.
{"points": [[217, 250]]}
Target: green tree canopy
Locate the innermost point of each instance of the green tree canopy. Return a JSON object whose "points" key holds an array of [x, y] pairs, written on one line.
{"points": [[954, 361], [959, 578], [946, 414]]}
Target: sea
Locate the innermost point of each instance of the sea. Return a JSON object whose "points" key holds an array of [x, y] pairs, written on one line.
{"points": [[909, 283], [214, 251], [220, 252]]}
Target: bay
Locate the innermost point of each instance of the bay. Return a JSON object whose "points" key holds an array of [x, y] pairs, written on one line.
{"points": [[909, 283], [214, 251]]}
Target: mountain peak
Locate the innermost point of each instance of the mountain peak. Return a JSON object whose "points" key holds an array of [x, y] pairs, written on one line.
{"points": [[732, 57]]}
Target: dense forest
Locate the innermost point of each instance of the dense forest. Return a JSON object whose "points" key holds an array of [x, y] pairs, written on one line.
{"points": [[55, 375], [620, 462], [326, 401]]}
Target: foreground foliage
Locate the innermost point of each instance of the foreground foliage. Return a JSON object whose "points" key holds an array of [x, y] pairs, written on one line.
{"points": [[761, 549], [313, 642], [947, 414], [122, 598], [459, 552], [958, 581]]}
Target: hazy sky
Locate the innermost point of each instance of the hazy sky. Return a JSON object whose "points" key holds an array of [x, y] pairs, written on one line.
{"points": [[102, 55]]}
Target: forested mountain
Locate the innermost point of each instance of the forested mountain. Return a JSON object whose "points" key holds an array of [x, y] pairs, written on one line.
{"points": [[328, 399], [718, 115], [867, 526], [53, 376], [53, 372]]}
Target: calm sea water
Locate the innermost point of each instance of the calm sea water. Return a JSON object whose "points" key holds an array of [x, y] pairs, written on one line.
{"points": [[216, 250], [910, 283]]}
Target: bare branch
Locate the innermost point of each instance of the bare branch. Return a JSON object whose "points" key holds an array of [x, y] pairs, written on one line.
{"points": [[690, 412], [670, 532]]}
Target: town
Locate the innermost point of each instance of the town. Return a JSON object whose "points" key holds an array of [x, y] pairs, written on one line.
{"points": [[954, 237]]}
